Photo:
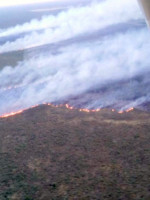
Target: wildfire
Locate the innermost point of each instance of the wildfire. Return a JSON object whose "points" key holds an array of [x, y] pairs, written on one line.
{"points": [[67, 106], [121, 112], [13, 87], [11, 114], [130, 109]]}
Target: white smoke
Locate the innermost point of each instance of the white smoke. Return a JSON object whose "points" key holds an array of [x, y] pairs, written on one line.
{"points": [[71, 23], [76, 69]]}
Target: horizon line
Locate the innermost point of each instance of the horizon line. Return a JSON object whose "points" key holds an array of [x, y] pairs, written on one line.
{"points": [[9, 3]]}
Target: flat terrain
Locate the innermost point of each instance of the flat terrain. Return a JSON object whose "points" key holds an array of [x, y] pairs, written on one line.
{"points": [[11, 58], [51, 153], [28, 12]]}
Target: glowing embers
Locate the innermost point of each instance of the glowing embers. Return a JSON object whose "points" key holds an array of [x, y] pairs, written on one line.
{"points": [[67, 106], [17, 112], [81, 110], [124, 111], [130, 109], [13, 87]]}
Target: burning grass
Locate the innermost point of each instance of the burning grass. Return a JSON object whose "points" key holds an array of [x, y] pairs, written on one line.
{"points": [[67, 106]]}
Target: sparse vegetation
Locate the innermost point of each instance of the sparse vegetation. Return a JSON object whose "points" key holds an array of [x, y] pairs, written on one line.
{"points": [[68, 155]]}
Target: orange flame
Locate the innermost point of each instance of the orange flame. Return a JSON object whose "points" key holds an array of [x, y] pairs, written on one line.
{"points": [[66, 105], [121, 112], [130, 109], [11, 114]]}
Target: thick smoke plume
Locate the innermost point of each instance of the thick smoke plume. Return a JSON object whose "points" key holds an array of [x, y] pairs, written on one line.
{"points": [[111, 71], [71, 23]]}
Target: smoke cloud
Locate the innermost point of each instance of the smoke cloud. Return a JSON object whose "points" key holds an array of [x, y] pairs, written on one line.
{"points": [[71, 23], [108, 72]]}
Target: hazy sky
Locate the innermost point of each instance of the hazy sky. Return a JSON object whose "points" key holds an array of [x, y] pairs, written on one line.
{"points": [[18, 2]]}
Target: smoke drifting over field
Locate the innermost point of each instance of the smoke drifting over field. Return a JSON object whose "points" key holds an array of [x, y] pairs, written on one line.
{"points": [[104, 71], [70, 23]]}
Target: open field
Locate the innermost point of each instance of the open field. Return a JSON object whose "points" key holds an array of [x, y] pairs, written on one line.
{"points": [[54, 153], [11, 58]]}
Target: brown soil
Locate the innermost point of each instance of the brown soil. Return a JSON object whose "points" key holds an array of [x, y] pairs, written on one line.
{"points": [[59, 154]]}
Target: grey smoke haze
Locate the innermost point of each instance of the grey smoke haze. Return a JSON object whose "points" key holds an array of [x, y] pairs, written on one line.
{"points": [[112, 71], [71, 23]]}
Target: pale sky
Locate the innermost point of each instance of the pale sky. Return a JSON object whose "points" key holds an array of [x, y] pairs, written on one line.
{"points": [[19, 2]]}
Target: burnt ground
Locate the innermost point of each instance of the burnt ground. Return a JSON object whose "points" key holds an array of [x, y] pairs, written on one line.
{"points": [[51, 153]]}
